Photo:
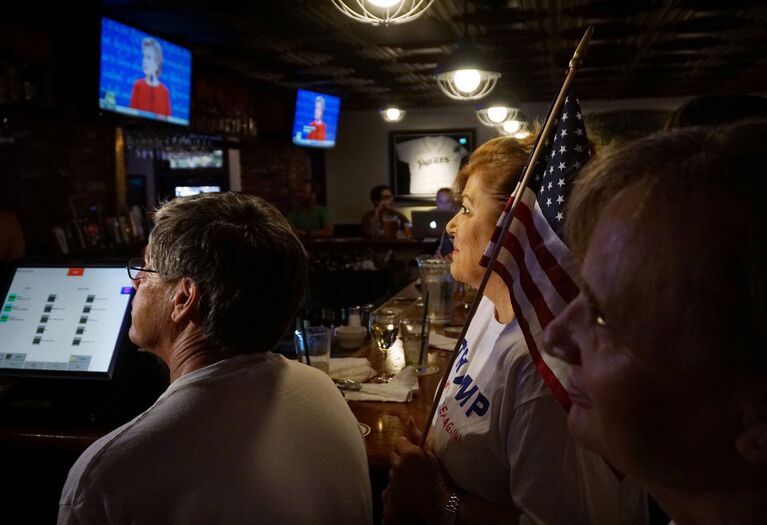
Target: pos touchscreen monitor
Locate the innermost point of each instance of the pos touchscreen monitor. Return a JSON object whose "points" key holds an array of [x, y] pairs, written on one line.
{"points": [[64, 321]]}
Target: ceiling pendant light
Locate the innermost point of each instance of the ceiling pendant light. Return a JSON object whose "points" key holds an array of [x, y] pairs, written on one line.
{"points": [[516, 128], [467, 73], [392, 114], [384, 12], [496, 115], [384, 3], [511, 127]]}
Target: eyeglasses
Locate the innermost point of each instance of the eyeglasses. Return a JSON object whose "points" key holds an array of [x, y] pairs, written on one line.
{"points": [[135, 266]]}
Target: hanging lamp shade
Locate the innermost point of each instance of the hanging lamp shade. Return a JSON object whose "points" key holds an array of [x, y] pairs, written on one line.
{"points": [[496, 114], [467, 73], [516, 128], [386, 12]]}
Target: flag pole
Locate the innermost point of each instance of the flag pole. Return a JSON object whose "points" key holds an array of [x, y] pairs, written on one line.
{"points": [[580, 50]]}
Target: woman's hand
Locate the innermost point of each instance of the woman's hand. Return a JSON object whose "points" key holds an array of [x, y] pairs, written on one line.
{"points": [[418, 486]]}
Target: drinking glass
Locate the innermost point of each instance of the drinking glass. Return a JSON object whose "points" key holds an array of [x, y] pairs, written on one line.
{"points": [[317, 345], [390, 227], [384, 327], [436, 279], [411, 331]]}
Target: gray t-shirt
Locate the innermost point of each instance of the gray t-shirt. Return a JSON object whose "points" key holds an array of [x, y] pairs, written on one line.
{"points": [[251, 439]]}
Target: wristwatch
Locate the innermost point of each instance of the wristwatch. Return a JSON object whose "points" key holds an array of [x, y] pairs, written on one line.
{"points": [[449, 514]]}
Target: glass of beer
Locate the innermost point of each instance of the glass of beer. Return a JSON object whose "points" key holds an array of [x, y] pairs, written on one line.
{"points": [[390, 227], [384, 327]]}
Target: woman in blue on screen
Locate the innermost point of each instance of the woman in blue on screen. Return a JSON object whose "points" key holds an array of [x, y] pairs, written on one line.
{"points": [[149, 94], [319, 128]]}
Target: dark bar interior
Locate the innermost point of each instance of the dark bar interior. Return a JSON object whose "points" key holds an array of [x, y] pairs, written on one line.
{"points": [[362, 137]]}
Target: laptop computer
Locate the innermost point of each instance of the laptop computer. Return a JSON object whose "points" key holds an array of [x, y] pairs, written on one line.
{"points": [[430, 224]]}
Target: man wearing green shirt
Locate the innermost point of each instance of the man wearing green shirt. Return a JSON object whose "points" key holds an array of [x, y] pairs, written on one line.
{"points": [[308, 219]]}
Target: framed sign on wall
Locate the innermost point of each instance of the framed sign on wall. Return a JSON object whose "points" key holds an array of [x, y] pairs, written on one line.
{"points": [[422, 162]]}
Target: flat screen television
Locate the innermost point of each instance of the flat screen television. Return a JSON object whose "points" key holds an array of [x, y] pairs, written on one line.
{"points": [[142, 75], [316, 119], [64, 321], [186, 191]]}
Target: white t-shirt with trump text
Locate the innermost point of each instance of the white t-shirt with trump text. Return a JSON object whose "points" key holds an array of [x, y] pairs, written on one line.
{"points": [[502, 436]]}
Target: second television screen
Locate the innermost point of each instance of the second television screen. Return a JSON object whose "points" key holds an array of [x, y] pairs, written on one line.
{"points": [[316, 119], [142, 75]]}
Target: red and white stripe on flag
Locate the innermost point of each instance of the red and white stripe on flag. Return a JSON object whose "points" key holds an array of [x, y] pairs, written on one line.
{"points": [[530, 271], [534, 262]]}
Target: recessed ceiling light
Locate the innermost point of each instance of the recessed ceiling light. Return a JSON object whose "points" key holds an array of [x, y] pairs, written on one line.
{"points": [[392, 114]]}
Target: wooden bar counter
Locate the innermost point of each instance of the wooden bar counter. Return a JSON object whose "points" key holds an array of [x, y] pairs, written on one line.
{"points": [[388, 420]]}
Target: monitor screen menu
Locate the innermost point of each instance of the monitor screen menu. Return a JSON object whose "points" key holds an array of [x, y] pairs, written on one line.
{"points": [[142, 75], [64, 321], [316, 119]]}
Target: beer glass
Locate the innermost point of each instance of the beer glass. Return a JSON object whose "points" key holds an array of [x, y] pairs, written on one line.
{"points": [[384, 327]]}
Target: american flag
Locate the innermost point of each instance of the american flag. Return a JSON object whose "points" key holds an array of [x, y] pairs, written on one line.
{"points": [[534, 261]]}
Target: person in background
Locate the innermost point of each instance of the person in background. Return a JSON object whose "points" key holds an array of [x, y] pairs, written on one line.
{"points": [[499, 450], [445, 200], [319, 129], [149, 94], [241, 435], [718, 110], [12, 244], [382, 198], [667, 338], [308, 219]]}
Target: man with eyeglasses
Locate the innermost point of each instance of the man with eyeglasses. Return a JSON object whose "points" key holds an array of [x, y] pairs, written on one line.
{"points": [[241, 434]]}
